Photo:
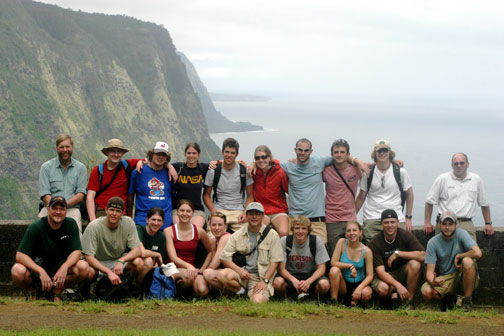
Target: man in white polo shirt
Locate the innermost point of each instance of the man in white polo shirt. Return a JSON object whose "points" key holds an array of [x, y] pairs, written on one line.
{"points": [[460, 192]]}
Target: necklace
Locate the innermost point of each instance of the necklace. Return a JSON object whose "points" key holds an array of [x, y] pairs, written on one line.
{"points": [[389, 242]]}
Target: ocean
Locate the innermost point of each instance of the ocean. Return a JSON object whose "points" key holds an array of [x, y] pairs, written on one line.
{"points": [[424, 136]]}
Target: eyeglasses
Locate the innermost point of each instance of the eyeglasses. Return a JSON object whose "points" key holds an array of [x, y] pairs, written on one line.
{"points": [[383, 181], [461, 164], [258, 157], [382, 150], [302, 150]]}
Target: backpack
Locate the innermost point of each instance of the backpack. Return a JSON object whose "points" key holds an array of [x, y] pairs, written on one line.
{"points": [[313, 244], [397, 175], [217, 174], [106, 291], [124, 164], [162, 287]]}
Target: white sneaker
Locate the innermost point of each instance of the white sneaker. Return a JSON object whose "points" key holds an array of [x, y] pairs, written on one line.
{"points": [[241, 291], [302, 296], [169, 269]]}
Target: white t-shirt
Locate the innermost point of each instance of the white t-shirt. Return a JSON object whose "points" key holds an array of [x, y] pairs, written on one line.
{"points": [[381, 198], [459, 196], [228, 192]]}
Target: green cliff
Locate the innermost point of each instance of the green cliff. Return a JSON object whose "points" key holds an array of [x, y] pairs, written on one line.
{"points": [[94, 77]]}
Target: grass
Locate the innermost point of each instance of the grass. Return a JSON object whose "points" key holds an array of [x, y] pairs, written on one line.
{"points": [[153, 332]]}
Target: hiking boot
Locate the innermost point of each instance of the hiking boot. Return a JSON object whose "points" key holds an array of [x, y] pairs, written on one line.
{"points": [[466, 304]]}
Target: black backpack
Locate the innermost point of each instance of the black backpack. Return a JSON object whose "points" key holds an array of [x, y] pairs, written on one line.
{"points": [[397, 175], [313, 244], [217, 174]]}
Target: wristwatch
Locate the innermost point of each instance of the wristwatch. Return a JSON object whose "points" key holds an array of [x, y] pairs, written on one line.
{"points": [[266, 281], [488, 223], [408, 217], [396, 252]]}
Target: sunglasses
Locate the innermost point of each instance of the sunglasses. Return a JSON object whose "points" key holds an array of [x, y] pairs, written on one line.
{"points": [[301, 150], [383, 181], [258, 157], [461, 164], [382, 150]]}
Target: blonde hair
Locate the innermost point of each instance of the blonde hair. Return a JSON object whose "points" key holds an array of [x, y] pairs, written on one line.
{"points": [[300, 220], [62, 137]]}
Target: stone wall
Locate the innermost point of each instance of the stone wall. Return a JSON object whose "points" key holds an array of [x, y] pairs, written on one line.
{"points": [[491, 265]]}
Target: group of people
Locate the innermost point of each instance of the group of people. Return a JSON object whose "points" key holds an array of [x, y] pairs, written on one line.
{"points": [[288, 229]]}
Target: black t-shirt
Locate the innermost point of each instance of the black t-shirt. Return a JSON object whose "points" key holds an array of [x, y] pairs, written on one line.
{"points": [[156, 243], [190, 184], [404, 241]]}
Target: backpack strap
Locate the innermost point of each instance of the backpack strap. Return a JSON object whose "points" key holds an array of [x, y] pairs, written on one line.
{"points": [[124, 165], [313, 245], [344, 181], [288, 244], [217, 174], [397, 175], [370, 177], [243, 180]]}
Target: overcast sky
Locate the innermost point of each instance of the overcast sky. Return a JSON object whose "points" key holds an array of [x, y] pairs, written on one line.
{"points": [[438, 49]]}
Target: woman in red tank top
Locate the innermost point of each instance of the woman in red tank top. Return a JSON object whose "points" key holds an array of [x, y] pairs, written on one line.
{"points": [[182, 242]]}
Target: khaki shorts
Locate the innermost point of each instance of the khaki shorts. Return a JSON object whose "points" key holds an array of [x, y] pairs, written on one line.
{"points": [[254, 279], [370, 227], [318, 228], [232, 219], [453, 283], [272, 217], [71, 212], [400, 275]]}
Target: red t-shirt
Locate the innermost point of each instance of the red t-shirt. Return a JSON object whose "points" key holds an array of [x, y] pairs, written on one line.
{"points": [[119, 186]]}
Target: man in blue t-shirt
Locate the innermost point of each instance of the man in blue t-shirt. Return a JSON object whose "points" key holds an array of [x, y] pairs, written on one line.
{"points": [[453, 252], [152, 187]]}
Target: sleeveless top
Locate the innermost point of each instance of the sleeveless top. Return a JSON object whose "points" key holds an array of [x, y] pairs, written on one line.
{"points": [[186, 250], [359, 265]]}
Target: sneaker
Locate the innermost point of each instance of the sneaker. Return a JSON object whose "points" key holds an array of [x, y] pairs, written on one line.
{"points": [[303, 296], [241, 291]]}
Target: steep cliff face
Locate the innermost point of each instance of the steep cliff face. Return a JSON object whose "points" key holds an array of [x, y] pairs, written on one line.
{"points": [[217, 123], [94, 77]]}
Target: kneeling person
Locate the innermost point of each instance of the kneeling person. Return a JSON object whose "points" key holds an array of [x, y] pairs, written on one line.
{"points": [[50, 252], [397, 259], [262, 252], [301, 273], [105, 243], [453, 252]]}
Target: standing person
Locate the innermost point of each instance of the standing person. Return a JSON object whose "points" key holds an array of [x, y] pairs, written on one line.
{"points": [[152, 188], [460, 192], [109, 179], [106, 242], [152, 240], [66, 177], [190, 183], [397, 259], [261, 252], [306, 187], [302, 271], [49, 255], [351, 267], [453, 252], [183, 238], [229, 182], [341, 182], [270, 186], [218, 228], [386, 186]]}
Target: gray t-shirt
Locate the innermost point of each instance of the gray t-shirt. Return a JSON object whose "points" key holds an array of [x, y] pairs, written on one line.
{"points": [[228, 192], [300, 260], [251, 266], [105, 244], [442, 252]]}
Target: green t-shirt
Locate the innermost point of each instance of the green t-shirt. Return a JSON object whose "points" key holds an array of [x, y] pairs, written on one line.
{"points": [[50, 248], [105, 244], [156, 243]]}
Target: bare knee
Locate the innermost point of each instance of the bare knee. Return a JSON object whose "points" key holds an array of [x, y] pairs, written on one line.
{"points": [[19, 273], [258, 298], [427, 293], [322, 286], [467, 263], [279, 284], [367, 293], [383, 289], [413, 267], [334, 273], [82, 269]]}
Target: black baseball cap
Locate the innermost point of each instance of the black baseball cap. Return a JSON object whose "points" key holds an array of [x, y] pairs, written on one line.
{"points": [[58, 200], [389, 213]]}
